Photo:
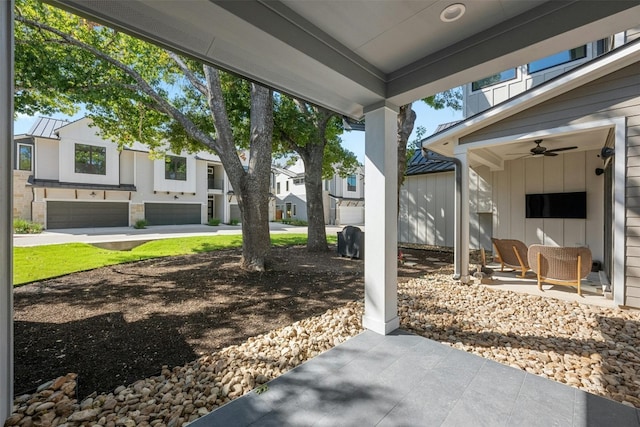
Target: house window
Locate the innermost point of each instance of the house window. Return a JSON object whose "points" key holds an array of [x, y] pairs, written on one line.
{"points": [[286, 186], [298, 181], [91, 159], [557, 59], [25, 156], [494, 79], [278, 188], [175, 168], [351, 183]]}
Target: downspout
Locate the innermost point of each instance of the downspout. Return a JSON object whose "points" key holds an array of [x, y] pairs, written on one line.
{"points": [[434, 157]]}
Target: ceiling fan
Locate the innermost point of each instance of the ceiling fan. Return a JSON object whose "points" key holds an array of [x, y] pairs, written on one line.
{"points": [[539, 150]]}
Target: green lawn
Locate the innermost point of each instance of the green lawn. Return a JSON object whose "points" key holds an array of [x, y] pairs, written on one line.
{"points": [[44, 262]]}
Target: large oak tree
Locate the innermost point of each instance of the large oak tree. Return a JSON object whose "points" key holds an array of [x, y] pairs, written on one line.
{"points": [[135, 91]]}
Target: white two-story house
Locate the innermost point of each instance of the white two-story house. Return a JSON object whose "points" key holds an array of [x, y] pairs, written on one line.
{"points": [[343, 197], [562, 129], [67, 176]]}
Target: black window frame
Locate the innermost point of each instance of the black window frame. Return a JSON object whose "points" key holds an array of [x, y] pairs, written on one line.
{"points": [[19, 157], [354, 187], [172, 168], [92, 164], [481, 83], [577, 58]]}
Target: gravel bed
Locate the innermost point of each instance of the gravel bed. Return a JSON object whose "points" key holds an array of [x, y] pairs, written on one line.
{"points": [[592, 348]]}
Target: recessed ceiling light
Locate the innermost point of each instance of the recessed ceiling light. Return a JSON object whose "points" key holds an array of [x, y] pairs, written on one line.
{"points": [[452, 12]]}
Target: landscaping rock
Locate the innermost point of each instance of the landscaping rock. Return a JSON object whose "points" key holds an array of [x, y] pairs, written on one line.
{"points": [[591, 348]]}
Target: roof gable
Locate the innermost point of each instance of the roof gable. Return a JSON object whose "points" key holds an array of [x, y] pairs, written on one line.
{"points": [[445, 141]]}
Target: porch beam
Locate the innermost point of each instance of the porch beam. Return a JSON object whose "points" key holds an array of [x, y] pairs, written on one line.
{"points": [[6, 191], [381, 219], [487, 158]]}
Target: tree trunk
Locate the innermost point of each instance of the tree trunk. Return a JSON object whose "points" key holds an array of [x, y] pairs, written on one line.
{"points": [[256, 240], [254, 194], [406, 120], [251, 187], [312, 157]]}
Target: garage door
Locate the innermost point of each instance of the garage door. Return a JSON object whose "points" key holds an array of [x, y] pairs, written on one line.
{"points": [[351, 215], [172, 213], [87, 214]]}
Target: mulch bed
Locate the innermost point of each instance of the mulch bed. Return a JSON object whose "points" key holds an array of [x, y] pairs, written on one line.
{"points": [[115, 325]]}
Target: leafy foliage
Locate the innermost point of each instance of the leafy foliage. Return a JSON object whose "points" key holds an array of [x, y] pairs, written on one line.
{"points": [[22, 226], [138, 92]]}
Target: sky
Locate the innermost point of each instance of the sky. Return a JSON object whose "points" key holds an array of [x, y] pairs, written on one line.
{"points": [[352, 141]]}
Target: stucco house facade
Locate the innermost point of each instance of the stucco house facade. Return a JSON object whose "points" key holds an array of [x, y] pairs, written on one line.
{"points": [[553, 130], [67, 176], [343, 197]]}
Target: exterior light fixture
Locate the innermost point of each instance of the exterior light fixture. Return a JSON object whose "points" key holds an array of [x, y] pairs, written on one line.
{"points": [[607, 152], [452, 12], [93, 194], [230, 195]]}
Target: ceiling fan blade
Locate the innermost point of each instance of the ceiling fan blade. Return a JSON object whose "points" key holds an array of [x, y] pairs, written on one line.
{"points": [[549, 154], [555, 150]]}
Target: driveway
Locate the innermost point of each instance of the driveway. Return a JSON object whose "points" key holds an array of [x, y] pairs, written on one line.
{"points": [[124, 234]]}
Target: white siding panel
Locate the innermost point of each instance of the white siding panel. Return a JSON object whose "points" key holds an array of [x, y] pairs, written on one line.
{"points": [[46, 158], [427, 210]]}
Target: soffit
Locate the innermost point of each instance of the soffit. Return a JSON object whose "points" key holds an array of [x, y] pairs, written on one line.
{"points": [[346, 55]]}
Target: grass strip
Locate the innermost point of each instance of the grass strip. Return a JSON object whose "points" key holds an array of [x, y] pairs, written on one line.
{"points": [[31, 264]]}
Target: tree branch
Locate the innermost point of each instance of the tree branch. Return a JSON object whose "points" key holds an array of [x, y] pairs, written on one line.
{"points": [[142, 85], [193, 79]]}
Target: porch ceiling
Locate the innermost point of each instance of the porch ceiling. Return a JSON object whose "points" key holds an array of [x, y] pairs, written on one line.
{"points": [[347, 55], [494, 155]]}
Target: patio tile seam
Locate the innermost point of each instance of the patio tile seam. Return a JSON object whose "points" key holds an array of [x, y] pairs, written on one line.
{"points": [[402, 398], [517, 396]]}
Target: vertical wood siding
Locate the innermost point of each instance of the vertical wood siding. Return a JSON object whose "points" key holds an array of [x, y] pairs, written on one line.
{"points": [[612, 96]]}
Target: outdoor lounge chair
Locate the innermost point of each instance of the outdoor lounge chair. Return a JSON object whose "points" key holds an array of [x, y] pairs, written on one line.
{"points": [[560, 265], [512, 253]]}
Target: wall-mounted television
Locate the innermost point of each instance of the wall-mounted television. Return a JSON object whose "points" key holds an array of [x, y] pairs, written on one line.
{"points": [[557, 205]]}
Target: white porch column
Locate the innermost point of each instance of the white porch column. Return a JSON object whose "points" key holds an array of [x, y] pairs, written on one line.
{"points": [[461, 251], [381, 220], [6, 190]]}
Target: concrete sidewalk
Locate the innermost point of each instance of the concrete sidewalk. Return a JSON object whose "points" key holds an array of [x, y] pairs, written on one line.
{"points": [[127, 234]]}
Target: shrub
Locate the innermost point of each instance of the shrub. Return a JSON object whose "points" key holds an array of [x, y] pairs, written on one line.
{"points": [[22, 226], [294, 221], [234, 222], [214, 221], [141, 223]]}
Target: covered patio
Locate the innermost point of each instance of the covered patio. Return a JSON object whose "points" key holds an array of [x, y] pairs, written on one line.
{"points": [[403, 379], [360, 59]]}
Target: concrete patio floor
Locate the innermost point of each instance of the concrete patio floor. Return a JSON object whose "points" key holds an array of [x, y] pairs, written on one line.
{"points": [[591, 287], [406, 380]]}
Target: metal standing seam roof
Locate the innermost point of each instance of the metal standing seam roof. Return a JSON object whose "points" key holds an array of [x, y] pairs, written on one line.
{"points": [[418, 165], [46, 127]]}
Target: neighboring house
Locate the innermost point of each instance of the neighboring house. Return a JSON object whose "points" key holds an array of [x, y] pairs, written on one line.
{"points": [[571, 134], [343, 198], [67, 176]]}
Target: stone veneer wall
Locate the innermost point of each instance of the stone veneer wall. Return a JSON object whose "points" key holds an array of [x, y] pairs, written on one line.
{"points": [[22, 195], [136, 212]]}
